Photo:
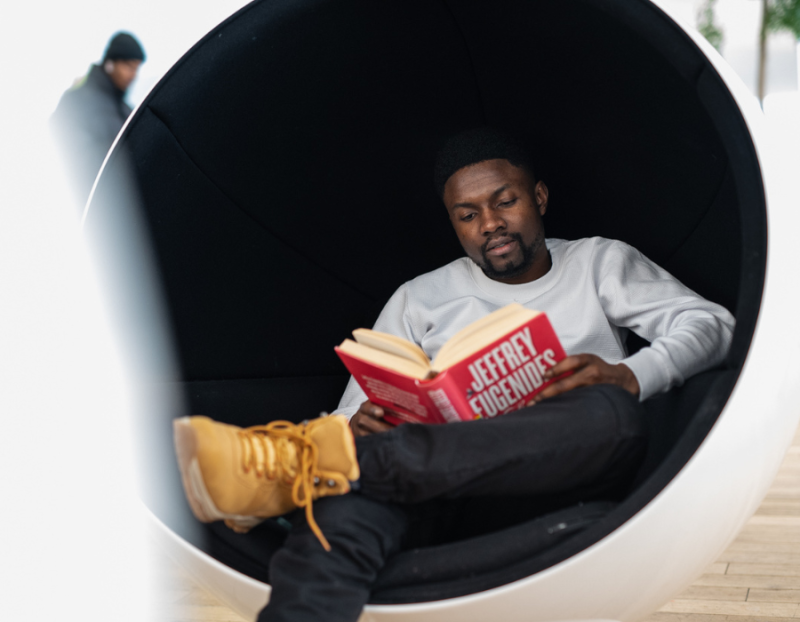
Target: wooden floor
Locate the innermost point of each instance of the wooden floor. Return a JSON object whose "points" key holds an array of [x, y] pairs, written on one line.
{"points": [[756, 579]]}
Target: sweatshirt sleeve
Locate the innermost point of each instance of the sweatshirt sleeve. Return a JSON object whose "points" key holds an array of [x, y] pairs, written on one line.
{"points": [[394, 320], [687, 333]]}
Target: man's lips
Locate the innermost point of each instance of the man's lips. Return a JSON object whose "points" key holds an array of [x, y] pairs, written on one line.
{"points": [[500, 246]]}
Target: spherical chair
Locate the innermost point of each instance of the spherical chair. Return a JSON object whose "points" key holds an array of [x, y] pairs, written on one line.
{"points": [[275, 188]]}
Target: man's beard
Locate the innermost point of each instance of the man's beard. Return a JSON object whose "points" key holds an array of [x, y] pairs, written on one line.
{"points": [[510, 269]]}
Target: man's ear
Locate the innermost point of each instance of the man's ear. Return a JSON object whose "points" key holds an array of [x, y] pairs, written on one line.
{"points": [[540, 195]]}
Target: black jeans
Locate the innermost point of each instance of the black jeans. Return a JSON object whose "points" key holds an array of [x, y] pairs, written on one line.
{"points": [[582, 445]]}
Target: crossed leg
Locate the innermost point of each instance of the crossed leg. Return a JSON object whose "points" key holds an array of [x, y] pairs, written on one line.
{"points": [[585, 444]]}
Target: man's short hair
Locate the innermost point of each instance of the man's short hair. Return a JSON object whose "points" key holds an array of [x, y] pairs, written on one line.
{"points": [[478, 145]]}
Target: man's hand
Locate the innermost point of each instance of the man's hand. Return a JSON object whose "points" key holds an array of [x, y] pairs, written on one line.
{"points": [[368, 420], [587, 369]]}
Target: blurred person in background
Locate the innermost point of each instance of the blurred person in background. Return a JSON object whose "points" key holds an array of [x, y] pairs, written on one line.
{"points": [[91, 113]]}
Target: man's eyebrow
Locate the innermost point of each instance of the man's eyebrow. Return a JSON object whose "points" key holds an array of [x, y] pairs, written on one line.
{"points": [[501, 189], [494, 194]]}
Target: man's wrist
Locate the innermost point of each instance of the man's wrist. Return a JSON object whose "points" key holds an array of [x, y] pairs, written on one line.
{"points": [[629, 380]]}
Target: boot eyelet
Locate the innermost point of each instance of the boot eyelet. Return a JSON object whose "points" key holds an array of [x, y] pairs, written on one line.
{"points": [[316, 481], [331, 483]]}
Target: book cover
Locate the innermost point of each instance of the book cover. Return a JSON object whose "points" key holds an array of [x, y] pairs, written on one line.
{"points": [[497, 379]]}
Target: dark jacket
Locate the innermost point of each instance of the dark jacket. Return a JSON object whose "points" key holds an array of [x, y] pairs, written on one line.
{"points": [[85, 123]]}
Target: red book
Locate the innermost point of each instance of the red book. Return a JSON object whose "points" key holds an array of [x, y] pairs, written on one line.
{"points": [[492, 367]]}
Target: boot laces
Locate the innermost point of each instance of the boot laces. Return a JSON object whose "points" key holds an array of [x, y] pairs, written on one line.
{"points": [[266, 449]]}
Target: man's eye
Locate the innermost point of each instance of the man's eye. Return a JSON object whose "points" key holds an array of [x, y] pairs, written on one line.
{"points": [[467, 217], [508, 203]]}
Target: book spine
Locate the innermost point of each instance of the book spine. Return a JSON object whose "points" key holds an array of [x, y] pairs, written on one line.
{"points": [[445, 396]]}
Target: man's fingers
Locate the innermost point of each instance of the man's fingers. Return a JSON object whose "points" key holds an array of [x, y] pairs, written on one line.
{"points": [[576, 363], [368, 425], [369, 420], [588, 369], [570, 363], [557, 388], [584, 377], [374, 411]]}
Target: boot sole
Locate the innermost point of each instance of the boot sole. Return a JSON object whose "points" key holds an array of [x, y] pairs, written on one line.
{"points": [[193, 484]]}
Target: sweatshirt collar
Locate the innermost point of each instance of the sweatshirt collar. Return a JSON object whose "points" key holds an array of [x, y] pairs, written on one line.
{"points": [[523, 292]]}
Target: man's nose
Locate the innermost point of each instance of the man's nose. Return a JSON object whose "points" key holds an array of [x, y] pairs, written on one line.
{"points": [[491, 222]]}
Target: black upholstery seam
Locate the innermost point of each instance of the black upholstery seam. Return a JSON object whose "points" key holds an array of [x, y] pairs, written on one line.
{"points": [[704, 216], [478, 91], [261, 225]]}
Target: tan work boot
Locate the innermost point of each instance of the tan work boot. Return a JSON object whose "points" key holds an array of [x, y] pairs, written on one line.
{"points": [[243, 475]]}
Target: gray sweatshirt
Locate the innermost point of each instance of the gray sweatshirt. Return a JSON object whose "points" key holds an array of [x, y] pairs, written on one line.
{"points": [[595, 292]]}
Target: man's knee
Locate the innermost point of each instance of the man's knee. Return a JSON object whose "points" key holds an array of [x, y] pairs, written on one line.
{"points": [[625, 406], [631, 432], [606, 401]]}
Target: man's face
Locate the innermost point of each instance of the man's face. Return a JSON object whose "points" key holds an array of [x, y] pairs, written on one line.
{"points": [[497, 216], [122, 72]]}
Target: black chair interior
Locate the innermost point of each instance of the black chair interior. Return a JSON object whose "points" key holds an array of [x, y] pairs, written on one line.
{"points": [[283, 175]]}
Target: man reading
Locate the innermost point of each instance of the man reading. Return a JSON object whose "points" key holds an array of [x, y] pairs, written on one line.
{"points": [[372, 483]]}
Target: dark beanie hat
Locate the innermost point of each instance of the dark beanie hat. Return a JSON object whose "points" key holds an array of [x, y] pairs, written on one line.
{"points": [[124, 46], [477, 145]]}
